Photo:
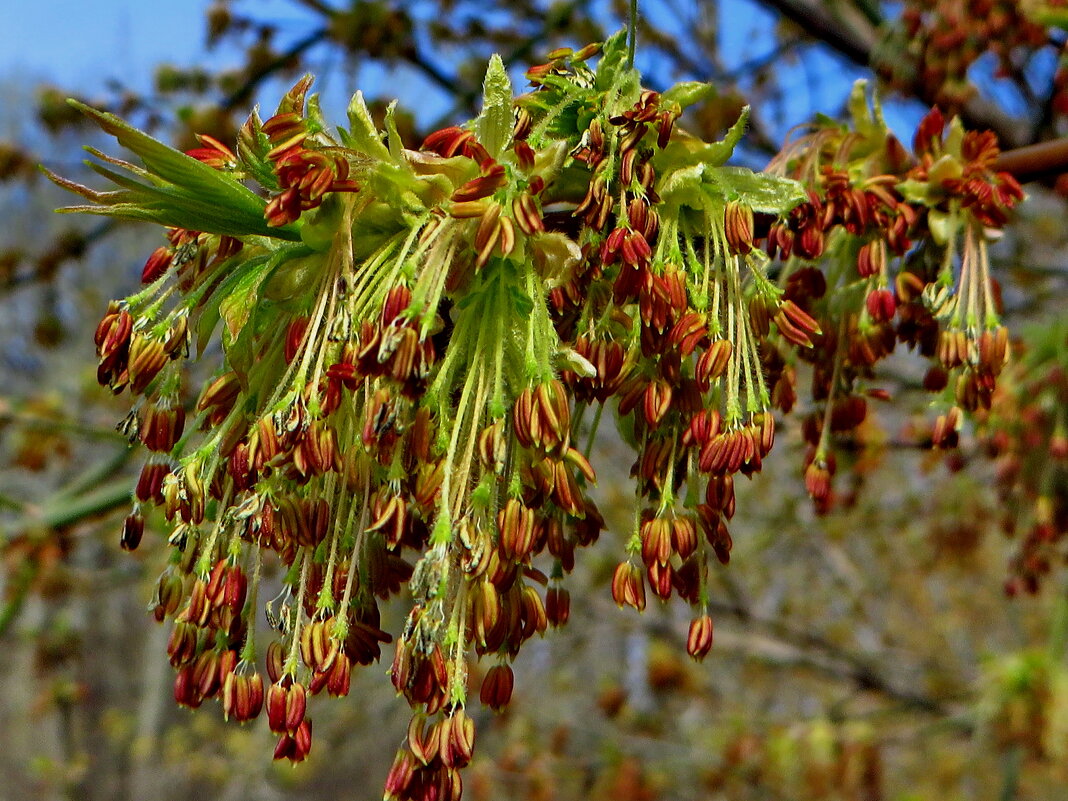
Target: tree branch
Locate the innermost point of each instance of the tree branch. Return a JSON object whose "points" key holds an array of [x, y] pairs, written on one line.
{"points": [[851, 34], [1035, 162], [849, 666], [244, 92]]}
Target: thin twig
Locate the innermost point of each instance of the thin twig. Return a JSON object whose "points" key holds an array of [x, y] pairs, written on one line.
{"points": [[1035, 162], [243, 92], [632, 32]]}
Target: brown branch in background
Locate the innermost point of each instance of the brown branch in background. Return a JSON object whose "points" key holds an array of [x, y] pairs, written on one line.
{"points": [[69, 245], [852, 38], [241, 95], [1045, 160], [816, 652], [852, 35], [316, 5]]}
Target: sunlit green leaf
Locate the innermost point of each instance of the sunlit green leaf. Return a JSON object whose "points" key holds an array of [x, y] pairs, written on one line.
{"points": [[687, 93], [176, 190], [236, 307], [362, 134], [689, 151], [760, 191], [207, 303], [613, 60], [494, 125]]}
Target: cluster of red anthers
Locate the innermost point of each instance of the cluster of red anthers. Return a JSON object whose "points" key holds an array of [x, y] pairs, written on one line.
{"points": [[988, 194], [353, 455], [662, 382], [949, 312], [211, 637], [305, 176]]}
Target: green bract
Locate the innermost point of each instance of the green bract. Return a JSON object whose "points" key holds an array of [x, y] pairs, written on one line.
{"points": [[172, 189]]}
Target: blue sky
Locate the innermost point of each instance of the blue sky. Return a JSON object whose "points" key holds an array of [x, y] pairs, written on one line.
{"points": [[81, 44], [81, 47]]}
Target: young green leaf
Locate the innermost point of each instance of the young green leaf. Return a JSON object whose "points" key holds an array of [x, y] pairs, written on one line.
{"points": [[494, 125], [613, 60], [362, 135], [177, 191], [689, 151], [687, 93], [760, 191]]}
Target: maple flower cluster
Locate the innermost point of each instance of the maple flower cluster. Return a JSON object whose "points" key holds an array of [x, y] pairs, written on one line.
{"points": [[890, 248], [417, 347]]}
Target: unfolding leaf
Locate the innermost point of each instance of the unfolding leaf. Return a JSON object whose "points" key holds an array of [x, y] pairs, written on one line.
{"points": [[613, 61], [363, 135], [687, 93], [173, 189], [237, 306], [393, 137], [867, 118], [689, 151], [494, 125], [207, 303], [176, 167], [761, 192], [682, 187]]}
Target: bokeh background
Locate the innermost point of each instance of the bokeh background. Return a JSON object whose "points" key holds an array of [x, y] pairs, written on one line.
{"points": [[866, 654]]}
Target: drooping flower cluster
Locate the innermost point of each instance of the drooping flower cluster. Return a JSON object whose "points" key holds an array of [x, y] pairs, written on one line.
{"points": [[1026, 435], [417, 346], [891, 247]]}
